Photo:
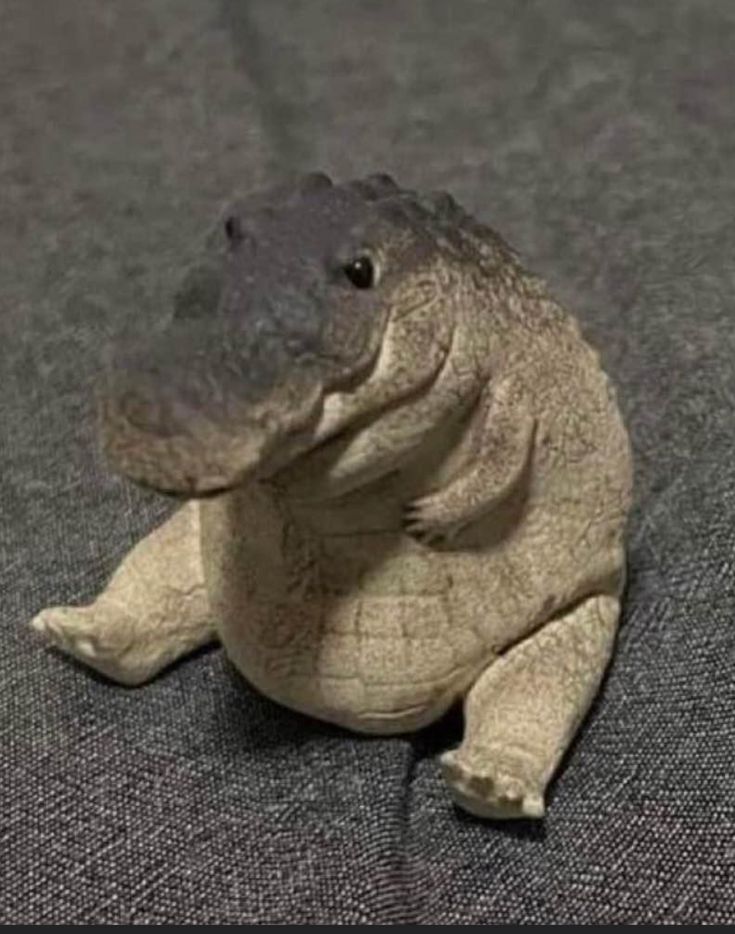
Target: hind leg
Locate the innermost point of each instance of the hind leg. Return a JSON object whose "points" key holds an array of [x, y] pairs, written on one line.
{"points": [[153, 610], [523, 711]]}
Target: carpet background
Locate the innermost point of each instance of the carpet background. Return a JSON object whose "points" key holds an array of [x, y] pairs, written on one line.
{"points": [[599, 139]]}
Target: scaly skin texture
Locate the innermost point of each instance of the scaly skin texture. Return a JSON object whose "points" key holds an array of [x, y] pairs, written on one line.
{"points": [[452, 527]]}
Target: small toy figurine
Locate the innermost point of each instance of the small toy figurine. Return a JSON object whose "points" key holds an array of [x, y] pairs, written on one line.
{"points": [[406, 482]]}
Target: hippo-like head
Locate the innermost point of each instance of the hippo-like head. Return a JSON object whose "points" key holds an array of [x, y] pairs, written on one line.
{"points": [[291, 304]]}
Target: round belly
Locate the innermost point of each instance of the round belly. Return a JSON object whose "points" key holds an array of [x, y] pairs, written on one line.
{"points": [[359, 629], [378, 664]]}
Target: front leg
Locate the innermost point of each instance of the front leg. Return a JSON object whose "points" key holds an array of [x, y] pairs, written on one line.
{"points": [[499, 448], [153, 610], [521, 714]]}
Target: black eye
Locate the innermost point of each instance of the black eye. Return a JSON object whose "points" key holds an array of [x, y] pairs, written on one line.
{"points": [[361, 272], [233, 230]]}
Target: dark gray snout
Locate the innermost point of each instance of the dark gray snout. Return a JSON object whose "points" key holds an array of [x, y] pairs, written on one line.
{"points": [[283, 305], [198, 412]]}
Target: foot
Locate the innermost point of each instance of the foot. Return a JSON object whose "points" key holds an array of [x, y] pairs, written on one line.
{"points": [[79, 632], [500, 787]]}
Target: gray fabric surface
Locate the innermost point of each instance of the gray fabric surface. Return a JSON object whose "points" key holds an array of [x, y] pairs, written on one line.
{"points": [[599, 138]]}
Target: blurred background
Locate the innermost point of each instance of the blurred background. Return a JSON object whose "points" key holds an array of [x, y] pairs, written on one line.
{"points": [[598, 139]]}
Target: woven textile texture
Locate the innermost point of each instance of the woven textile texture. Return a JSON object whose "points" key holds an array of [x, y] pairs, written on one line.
{"points": [[599, 139]]}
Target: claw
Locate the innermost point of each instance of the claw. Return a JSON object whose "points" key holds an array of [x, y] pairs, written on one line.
{"points": [[422, 521]]}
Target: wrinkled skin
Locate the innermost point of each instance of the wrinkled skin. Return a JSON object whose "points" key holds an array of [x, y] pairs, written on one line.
{"points": [[407, 483]]}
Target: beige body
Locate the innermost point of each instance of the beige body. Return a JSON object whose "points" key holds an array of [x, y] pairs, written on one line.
{"points": [[330, 608], [506, 592]]}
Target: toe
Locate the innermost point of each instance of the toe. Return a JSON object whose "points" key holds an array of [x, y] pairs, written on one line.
{"points": [[491, 793], [69, 628]]}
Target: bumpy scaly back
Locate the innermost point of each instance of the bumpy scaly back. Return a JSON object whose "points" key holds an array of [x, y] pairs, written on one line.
{"points": [[439, 215], [435, 213]]}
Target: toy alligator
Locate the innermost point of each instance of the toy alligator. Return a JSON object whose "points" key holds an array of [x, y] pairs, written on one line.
{"points": [[406, 482]]}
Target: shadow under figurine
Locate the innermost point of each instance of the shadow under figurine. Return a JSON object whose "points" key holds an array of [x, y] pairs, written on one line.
{"points": [[407, 482]]}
